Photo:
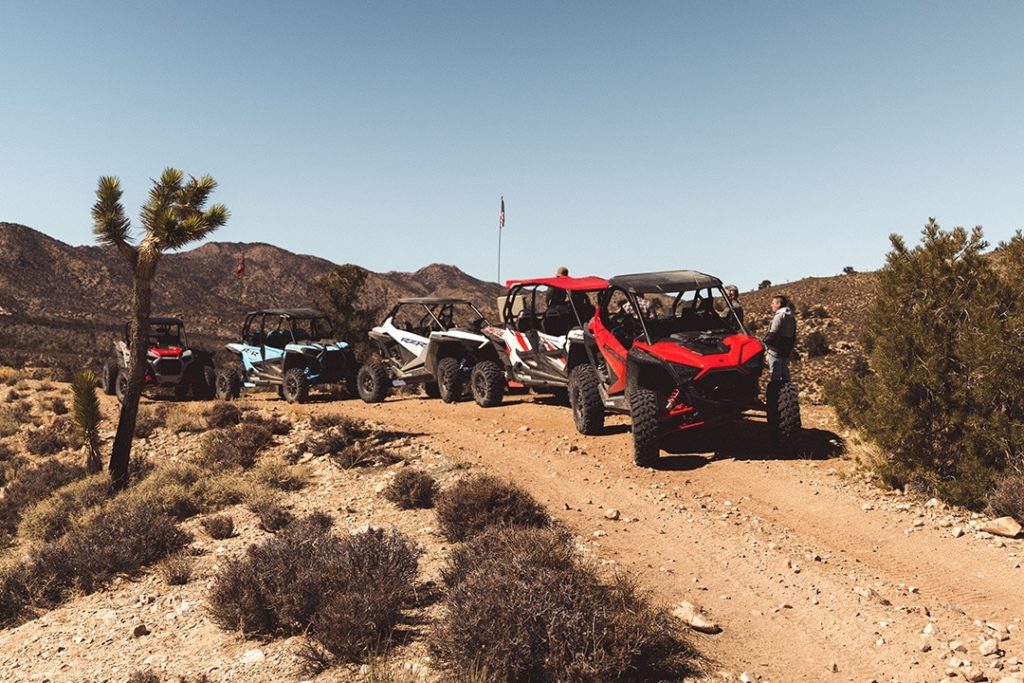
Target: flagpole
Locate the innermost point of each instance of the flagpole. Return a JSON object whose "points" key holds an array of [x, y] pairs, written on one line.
{"points": [[501, 225]]}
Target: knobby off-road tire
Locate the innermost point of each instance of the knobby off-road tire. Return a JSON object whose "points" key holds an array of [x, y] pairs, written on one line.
{"points": [[121, 384], [450, 379], [585, 399], [373, 382], [783, 417], [206, 390], [108, 378], [228, 384], [295, 387], [488, 383], [432, 390], [643, 410]]}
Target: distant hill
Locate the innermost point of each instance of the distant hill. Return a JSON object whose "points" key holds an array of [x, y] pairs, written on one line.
{"points": [[61, 305]]}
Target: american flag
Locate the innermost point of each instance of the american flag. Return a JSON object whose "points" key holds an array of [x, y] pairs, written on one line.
{"points": [[501, 215]]}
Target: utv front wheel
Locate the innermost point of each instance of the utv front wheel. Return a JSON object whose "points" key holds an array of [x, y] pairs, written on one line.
{"points": [[432, 390], [488, 383], [108, 380], [643, 409], [585, 399], [373, 382], [228, 384], [450, 379], [783, 417], [121, 384], [295, 388]]}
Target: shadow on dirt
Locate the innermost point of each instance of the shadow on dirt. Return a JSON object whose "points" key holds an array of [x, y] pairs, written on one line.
{"points": [[746, 440]]}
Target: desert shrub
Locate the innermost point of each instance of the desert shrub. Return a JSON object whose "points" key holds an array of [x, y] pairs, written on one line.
{"points": [[52, 517], [277, 474], [473, 504], [276, 425], [9, 376], [218, 526], [119, 538], [946, 397], [46, 440], [223, 414], [336, 433], [411, 489], [234, 447], [176, 569], [819, 312], [30, 485], [6, 453], [182, 490], [345, 592], [58, 406], [144, 676], [87, 418], [9, 424], [185, 418], [363, 454], [14, 593], [272, 514], [11, 396], [764, 284], [149, 420], [536, 618], [548, 547], [816, 344], [1008, 498]]}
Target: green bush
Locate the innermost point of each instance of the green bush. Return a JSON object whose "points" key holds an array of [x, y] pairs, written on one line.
{"points": [[945, 398], [816, 344], [52, 517]]}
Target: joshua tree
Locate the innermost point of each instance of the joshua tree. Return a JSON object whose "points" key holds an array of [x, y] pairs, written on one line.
{"points": [[172, 217], [87, 417]]}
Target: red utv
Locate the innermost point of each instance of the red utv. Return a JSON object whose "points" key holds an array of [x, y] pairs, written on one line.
{"points": [[542, 334], [170, 362], [665, 354]]}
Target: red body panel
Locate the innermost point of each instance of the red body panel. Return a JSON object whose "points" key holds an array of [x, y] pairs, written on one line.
{"points": [[741, 349], [165, 352]]}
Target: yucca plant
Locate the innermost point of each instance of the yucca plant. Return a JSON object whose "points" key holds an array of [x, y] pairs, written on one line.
{"points": [[172, 217], [87, 417]]}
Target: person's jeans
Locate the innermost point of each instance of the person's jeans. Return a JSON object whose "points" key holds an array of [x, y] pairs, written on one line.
{"points": [[778, 367]]}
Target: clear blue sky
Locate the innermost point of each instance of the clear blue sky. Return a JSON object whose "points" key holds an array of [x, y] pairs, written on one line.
{"points": [[751, 140]]}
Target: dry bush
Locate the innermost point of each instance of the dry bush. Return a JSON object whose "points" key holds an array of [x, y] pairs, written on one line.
{"points": [[276, 425], [1008, 498], [185, 418], [57, 405], [144, 676], [9, 376], [234, 447], [14, 593], [9, 424], [336, 433], [278, 474], [362, 454], [219, 526], [149, 420], [119, 538], [29, 486], [11, 396], [346, 592], [52, 517], [6, 452], [475, 503], [550, 547], [46, 440], [272, 515], [411, 489], [536, 618], [223, 414], [182, 490], [176, 569]]}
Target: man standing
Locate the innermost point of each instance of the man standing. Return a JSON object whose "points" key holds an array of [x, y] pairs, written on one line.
{"points": [[780, 340]]}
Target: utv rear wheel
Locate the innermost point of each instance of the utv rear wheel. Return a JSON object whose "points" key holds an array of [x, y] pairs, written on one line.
{"points": [[295, 388], [108, 379], [373, 382], [488, 383], [783, 417], [432, 390], [228, 384], [585, 399], [450, 379], [121, 384], [643, 409]]}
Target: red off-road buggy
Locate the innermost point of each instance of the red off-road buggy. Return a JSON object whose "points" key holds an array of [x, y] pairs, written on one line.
{"points": [[170, 362], [661, 351]]}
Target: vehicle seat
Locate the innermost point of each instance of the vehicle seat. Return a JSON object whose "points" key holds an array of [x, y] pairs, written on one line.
{"points": [[277, 339], [557, 321], [526, 321]]}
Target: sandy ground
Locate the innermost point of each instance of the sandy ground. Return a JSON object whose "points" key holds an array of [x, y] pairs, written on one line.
{"points": [[812, 573]]}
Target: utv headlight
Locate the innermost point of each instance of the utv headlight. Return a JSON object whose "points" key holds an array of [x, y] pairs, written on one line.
{"points": [[684, 373]]}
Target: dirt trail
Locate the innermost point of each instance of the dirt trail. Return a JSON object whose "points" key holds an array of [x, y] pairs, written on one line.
{"points": [[813, 574]]}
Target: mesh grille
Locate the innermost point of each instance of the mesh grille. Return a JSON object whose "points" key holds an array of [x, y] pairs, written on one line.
{"points": [[168, 366]]}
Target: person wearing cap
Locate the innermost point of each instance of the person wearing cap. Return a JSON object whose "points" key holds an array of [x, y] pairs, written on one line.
{"points": [[732, 292]]}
